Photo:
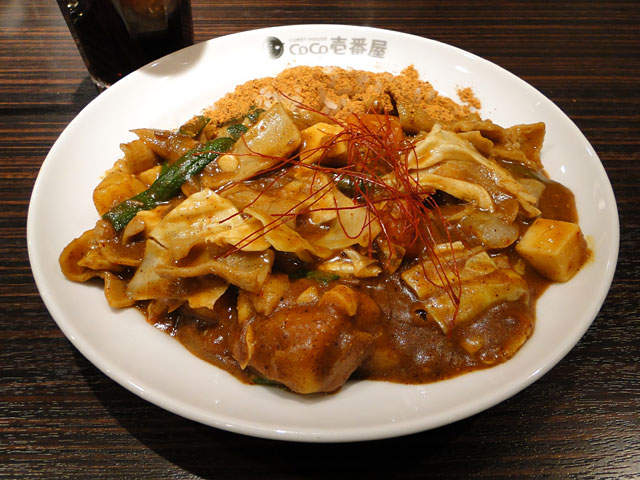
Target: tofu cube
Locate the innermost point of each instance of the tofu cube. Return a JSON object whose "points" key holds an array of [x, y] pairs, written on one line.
{"points": [[322, 141], [554, 248]]}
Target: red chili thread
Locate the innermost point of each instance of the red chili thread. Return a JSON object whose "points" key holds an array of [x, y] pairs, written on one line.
{"points": [[371, 153]]}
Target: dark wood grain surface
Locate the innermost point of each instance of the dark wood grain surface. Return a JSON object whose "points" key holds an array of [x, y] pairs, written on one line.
{"points": [[60, 417]]}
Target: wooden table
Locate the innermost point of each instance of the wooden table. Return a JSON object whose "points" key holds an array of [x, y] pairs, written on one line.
{"points": [[60, 417]]}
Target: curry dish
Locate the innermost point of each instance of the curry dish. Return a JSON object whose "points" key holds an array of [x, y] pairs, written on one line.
{"points": [[328, 224]]}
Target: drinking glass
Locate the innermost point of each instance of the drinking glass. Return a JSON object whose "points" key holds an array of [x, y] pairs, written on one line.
{"points": [[116, 37]]}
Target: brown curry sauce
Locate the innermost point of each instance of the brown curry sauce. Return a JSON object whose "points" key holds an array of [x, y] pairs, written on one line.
{"points": [[409, 348]]}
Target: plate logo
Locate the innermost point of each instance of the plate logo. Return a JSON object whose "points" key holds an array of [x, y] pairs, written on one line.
{"points": [[339, 45], [275, 47]]}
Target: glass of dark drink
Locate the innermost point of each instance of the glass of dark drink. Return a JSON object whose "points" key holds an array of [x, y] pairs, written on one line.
{"points": [[116, 37]]}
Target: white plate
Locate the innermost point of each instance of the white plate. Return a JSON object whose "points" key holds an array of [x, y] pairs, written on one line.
{"points": [[158, 369]]}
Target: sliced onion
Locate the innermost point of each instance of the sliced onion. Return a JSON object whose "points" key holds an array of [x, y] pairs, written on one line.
{"points": [[490, 229]]}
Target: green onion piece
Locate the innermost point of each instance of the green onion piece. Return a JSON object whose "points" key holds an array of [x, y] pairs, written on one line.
{"points": [[522, 171], [194, 127], [265, 381], [168, 184], [252, 116], [318, 276], [235, 131], [254, 113]]}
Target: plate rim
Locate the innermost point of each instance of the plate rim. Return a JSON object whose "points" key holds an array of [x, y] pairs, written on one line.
{"points": [[267, 432]]}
